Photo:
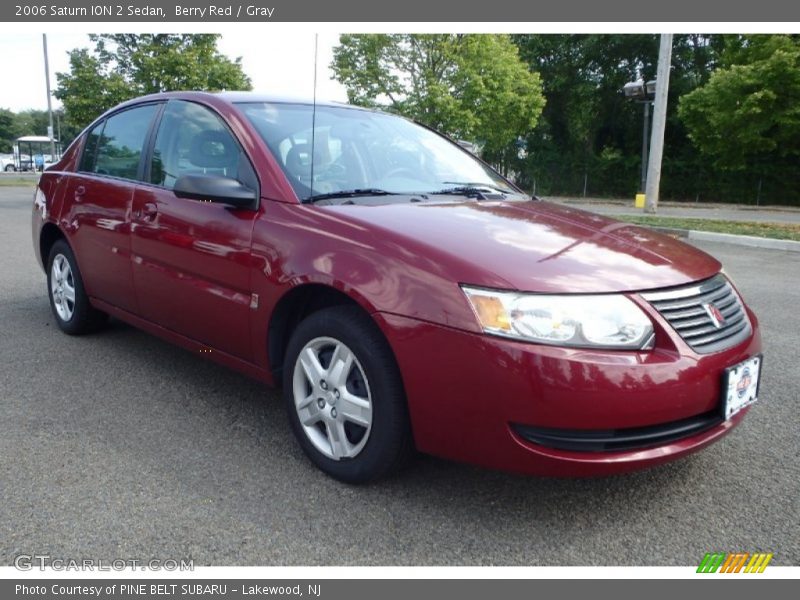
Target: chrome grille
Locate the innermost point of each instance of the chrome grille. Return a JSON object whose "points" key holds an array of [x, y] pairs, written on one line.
{"points": [[686, 310]]}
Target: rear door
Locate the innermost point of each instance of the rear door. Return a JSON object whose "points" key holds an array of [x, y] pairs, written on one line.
{"points": [[191, 259], [98, 203]]}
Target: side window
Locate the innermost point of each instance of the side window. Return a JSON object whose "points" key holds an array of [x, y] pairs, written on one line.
{"points": [[192, 140], [90, 148], [122, 141]]}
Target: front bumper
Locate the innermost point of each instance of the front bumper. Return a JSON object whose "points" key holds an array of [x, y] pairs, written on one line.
{"points": [[471, 397]]}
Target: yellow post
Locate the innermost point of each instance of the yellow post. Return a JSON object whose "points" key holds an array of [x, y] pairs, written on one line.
{"points": [[639, 202]]}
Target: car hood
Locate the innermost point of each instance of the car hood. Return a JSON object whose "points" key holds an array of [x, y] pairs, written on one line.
{"points": [[533, 246]]}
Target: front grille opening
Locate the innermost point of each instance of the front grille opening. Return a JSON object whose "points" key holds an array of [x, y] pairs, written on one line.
{"points": [[610, 440], [685, 308]]}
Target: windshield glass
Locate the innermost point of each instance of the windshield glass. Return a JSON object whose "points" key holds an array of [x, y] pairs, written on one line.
{"points": [[364, 150]]}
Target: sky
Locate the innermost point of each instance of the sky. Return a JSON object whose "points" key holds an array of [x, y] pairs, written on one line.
{"points": [[276, 64]]}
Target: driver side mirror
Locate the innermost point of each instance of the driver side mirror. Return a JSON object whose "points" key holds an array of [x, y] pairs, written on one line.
{"points": [[214, 188]]}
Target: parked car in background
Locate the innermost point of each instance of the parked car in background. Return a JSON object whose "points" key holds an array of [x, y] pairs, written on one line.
{"points": [[7, 162], [401, 291]]}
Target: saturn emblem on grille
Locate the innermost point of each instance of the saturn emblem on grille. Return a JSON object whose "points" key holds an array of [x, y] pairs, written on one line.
{"points": [[717, 318]]}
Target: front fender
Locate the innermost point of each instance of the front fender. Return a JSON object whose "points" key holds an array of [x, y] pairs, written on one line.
{"points": [[295, 245]]}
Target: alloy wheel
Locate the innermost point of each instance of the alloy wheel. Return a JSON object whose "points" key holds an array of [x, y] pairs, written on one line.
{"points": [[62, 287], [332, 398]]}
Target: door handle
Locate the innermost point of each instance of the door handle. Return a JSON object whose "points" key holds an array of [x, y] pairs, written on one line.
{"points": [[79, 192], [149, 211]]}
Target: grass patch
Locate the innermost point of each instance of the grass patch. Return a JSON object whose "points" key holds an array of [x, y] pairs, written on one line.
{"points": [[16, 181], [777, 231]]}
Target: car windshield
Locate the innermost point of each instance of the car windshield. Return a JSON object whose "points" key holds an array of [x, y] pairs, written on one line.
{"points": [[360, 153]]}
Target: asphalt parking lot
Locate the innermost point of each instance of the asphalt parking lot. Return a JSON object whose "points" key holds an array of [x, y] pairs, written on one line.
{"points": [[119, 445]]}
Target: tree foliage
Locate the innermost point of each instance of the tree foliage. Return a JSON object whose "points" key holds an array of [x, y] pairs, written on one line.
{"points": [[748, 113], [123, 66], [590, 134], [31, 122], [585, 121], [7, 130], [736, 127], [472, 87], [548, 109]]}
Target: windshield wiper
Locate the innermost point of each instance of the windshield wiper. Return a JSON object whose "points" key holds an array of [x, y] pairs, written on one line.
{"points": [[481, 186], [349, 194], [477, 192]]}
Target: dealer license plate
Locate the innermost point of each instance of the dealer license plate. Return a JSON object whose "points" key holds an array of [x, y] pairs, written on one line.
{"points": [[740, 385]]}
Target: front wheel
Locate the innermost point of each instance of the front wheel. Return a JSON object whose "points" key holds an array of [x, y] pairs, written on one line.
{"points": [[10, 168], [68, 300], [344, 396]]}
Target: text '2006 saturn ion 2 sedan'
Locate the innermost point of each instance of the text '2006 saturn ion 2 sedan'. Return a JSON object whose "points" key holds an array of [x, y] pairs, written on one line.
{"points": [[404, 294]]}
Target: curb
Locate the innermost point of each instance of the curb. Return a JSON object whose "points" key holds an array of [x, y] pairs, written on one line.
{"points": [[689, 205], [729, 238]]}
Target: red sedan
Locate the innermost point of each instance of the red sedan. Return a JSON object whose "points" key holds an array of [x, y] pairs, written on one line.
{"points": [[403, 294]]}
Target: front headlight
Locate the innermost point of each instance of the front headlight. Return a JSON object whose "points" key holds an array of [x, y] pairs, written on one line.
{"points": [[588, 321]]}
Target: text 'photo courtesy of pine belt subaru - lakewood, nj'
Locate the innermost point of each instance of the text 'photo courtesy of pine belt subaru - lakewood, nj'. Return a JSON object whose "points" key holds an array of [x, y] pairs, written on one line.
{"points": [[404, 295]]}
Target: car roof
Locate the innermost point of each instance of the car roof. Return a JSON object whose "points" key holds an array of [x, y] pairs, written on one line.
{"points": [[239, 97], [236, 97]]}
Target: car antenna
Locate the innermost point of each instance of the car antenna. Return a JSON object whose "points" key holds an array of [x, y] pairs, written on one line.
{"points": [[314, 113]]}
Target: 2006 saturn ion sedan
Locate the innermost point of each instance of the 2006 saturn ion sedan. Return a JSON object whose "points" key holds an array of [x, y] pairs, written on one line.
{"points": [[403, 293]]}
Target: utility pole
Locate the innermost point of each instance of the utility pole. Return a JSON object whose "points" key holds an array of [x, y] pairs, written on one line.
{"points": [[659, 122], [644, 144], [49, 101]]}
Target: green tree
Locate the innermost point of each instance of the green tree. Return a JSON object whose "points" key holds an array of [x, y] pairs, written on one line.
{"points": [[31, 122], [26, 122], [747, 116], [122, 66], [589, 133], [473, 87], [7, 130]]}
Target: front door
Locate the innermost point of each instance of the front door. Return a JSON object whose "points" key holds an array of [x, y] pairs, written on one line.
{"points": [[191, 259]]}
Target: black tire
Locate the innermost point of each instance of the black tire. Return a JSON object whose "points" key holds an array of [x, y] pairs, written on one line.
{"points": [[10, 168], [84, 317], [389, 444]]}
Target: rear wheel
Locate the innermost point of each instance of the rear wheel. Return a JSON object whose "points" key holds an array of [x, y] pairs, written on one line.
{"points": [[68, 300], [344, 396], [10, 168]]}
